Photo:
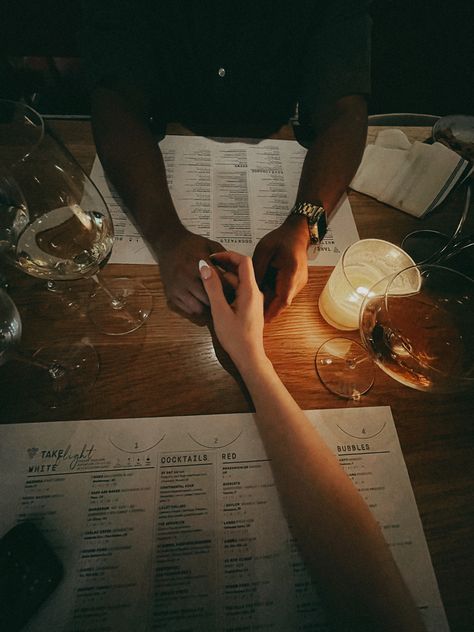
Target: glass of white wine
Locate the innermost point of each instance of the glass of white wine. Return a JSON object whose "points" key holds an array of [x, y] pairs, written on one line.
{"points": [[418, 326], [60, 373], [55, 225]]}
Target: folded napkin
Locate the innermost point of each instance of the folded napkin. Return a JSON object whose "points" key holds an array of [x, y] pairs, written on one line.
{"points": [[414, 178]]}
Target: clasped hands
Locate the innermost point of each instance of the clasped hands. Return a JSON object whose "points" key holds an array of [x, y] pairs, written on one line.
{"points": [[279, 261]]}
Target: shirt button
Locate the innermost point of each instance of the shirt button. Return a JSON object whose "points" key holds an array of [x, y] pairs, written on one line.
{"points": [[221, 72]]}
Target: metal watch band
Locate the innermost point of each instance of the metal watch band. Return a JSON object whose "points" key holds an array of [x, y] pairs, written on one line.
{"points": [[316, 216]]}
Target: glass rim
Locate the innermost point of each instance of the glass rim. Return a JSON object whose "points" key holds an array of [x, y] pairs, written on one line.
{"points": [[373, 239], [27, 108], [390, 279]]}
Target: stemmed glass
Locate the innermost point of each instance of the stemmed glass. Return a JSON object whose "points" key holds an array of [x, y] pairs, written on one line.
{"points": [[457, 248], [417, 326], [55, 224], [61, 372], [433, 246], [341, 362]]}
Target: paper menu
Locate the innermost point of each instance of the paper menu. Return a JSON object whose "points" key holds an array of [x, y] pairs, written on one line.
{"points": [[233, 193], [175, 523]]}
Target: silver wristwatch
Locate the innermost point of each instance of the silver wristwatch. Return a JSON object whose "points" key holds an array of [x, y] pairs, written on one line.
{"points": [[316, 216]]}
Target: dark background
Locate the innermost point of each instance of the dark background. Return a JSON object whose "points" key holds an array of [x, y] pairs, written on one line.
{"points": [[423, 56]]}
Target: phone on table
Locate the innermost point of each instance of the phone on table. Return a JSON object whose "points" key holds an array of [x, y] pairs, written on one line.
{"points": [[29, 573]]}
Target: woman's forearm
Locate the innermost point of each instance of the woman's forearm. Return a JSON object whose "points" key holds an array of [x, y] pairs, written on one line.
{"points": [[334, 528]]}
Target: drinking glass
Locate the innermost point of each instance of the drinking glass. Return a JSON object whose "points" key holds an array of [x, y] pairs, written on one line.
{"points": [[418, 326], [55, 225], [342, 363], [360, 266], [61, 372]]}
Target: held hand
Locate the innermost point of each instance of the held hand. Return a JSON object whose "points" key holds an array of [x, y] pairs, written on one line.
{"points": [[239, 326], [281, 264], [178, 260]]}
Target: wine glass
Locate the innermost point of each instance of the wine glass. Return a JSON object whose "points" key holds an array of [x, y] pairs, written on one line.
{"points": [[433, 246], [61, 372], [342, 363], [417, 326], [456, 131], [56, 226]]}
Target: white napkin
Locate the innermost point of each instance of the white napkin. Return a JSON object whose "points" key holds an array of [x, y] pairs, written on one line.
{"points": [[414, 178]]}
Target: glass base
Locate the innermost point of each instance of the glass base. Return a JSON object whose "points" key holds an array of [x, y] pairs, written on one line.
{"points": [[64, 297], [119, 306], [345, 368], [64, 374]]}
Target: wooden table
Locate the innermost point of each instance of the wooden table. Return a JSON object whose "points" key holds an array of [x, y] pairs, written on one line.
{"points": [[170, 367]]}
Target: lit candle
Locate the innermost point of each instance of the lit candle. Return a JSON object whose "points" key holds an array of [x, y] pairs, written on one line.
{"points": [[360, 267]]}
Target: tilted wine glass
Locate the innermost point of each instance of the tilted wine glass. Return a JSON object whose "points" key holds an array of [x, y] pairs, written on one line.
{"points": [[417, 326], [342, 363], [56, 226], [454, 251]]}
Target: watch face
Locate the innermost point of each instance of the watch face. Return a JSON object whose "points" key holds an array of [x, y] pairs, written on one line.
{"points": [[316, 216], [318, 226]]}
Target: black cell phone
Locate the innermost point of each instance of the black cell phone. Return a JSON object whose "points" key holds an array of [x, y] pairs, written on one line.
{"points": [[29, 573]]}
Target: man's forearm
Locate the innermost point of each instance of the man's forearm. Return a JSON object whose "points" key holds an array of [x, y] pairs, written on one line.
{"points": [[134, 163], [335, 153]]}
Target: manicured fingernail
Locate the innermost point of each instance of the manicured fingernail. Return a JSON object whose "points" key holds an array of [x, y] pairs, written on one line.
{"points": [[204, 269]]}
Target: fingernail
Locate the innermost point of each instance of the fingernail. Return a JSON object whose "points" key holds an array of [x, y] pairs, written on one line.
{"points": [[204, 269]]}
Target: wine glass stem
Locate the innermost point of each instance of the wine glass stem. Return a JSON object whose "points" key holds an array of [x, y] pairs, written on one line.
{"points": [[115, 302], [55, 370], [353, 363]]}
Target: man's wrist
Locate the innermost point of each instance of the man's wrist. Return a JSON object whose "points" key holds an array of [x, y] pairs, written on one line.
{"points": [[315, 215], [299, 224], [167, 236]]}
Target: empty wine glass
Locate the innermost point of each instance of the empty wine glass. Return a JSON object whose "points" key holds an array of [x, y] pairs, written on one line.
{"points": [[56, 225], [417, 325], [61, 372], [454, 251]]}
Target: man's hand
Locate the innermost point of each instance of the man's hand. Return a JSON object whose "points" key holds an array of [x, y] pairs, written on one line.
{"points": [[281, 264], [178, 258]]}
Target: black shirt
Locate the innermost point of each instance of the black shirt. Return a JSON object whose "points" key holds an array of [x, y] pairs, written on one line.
{"points": [[244, 61]]}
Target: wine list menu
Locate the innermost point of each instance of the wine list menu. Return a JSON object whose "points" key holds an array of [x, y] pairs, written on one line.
{"points": [[175, 523], [231, 192]]}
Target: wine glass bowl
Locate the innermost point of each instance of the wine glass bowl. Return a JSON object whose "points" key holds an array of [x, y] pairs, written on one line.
{"points": [[21, 131], [10, 326], [59, 224], [417, 326], [56, 226]]}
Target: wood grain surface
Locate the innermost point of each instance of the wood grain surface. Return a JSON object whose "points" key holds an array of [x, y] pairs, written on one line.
{"points": [[171, 367]]}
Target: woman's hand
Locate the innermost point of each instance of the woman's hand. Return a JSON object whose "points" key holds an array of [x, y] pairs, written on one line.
{"points": [[239, 325]]}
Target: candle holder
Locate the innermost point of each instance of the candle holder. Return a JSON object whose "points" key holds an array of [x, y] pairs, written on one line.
{"points": [[360, 267]]}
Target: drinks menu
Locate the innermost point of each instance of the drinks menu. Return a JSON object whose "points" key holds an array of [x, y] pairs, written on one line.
{"points": [[175, 523], [232, 192]]}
